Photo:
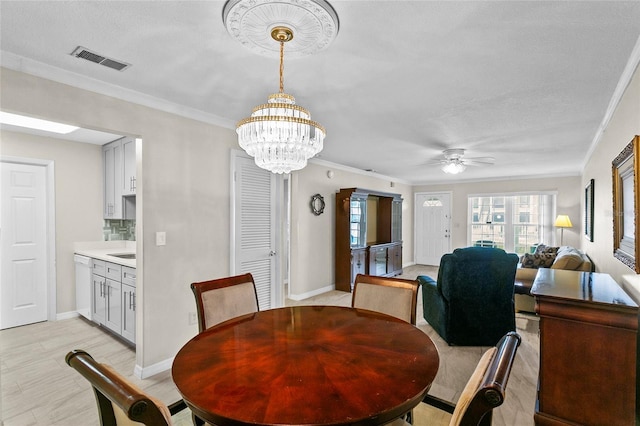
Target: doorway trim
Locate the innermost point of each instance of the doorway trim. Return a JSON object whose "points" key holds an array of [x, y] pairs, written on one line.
{"points": [[51, 226]]}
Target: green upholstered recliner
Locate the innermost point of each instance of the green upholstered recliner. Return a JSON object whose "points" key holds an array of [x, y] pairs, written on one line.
{"points": [[471, 304]]}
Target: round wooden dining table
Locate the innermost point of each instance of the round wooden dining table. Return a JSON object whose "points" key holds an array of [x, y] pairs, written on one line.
{"points": [[306, 365]]}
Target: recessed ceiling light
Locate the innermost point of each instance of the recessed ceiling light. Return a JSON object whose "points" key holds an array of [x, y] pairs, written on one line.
{"points": [[35, 123]]}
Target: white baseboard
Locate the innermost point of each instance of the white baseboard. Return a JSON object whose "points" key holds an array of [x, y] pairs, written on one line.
{"points": [[299, 297], [66, 315], [152, 370]]}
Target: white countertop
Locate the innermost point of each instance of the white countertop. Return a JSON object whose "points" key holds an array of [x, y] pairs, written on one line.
{"points": [[104, 250]]}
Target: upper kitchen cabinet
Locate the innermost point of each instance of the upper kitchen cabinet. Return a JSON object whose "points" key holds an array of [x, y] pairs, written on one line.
{"points": [[119, 163], [129, 166]]}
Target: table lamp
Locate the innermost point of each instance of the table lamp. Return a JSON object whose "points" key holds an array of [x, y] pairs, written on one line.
{"points": [[562, 221]]}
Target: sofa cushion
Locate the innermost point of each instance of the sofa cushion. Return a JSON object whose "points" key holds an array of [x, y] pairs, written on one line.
{"points": [[568, 258], [537, 260]]}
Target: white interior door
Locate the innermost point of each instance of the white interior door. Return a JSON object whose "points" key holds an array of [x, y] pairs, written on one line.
{"points": [[254, 237], [433, 227], [23, 241]]}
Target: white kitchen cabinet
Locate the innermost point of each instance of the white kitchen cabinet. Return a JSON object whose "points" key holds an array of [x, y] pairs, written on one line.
{"points": [[112, 166], [129, 312], [113, 308], [129, 166], [114, 297], [98, 299], [129, 303], [119, 161]]}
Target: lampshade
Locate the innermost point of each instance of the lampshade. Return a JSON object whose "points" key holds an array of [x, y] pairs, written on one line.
{"points": [[563, 221], [454, 167]]}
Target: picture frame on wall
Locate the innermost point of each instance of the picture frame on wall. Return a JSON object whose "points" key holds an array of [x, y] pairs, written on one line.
{"points": [[588, 210]]}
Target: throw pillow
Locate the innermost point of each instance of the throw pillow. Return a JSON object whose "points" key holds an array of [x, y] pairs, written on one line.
{"points": [[537, 260], [546, 249]]}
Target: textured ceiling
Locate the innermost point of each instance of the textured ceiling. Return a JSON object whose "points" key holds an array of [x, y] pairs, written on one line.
{"points": [[527, 83]]}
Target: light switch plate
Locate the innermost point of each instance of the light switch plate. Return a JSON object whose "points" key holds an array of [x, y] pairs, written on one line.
{"points": [[161, 238]]}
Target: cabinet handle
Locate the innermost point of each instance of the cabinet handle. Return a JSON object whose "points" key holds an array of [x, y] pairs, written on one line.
{"points": [[101, 290], [134, 300]]}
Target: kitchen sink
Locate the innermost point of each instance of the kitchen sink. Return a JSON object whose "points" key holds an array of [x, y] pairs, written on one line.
{"points": [[124, 255]]}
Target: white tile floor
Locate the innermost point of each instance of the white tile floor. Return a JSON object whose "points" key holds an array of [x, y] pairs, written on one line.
{"points": [[38, 388]]}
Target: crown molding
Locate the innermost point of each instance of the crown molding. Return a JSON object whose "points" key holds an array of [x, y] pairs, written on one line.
{"points": [[39, 69], [623, 83]]}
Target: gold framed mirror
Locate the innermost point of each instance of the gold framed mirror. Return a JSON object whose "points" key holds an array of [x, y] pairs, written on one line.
{"points": [[626, 202]]}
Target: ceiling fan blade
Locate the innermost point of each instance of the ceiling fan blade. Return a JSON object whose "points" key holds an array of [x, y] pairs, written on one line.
{"points": [[478, 161]]}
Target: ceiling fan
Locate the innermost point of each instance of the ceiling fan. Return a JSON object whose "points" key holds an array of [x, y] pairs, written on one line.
{"points": [[453, 161]]}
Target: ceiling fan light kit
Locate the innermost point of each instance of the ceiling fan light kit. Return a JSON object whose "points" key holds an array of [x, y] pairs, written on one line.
{"points": [[280, 135], [454, 167], [454, 161]]}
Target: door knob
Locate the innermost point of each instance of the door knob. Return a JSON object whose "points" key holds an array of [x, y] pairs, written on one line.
{"points": [[272, 253]]}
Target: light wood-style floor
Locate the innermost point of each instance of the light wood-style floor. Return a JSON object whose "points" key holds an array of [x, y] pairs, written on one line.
{"points": [[38, 388]]}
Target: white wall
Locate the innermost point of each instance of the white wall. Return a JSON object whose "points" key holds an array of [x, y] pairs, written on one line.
{"points": [[183, 187], [623, 126], [569, 196], [184, 190], [78, 199]]}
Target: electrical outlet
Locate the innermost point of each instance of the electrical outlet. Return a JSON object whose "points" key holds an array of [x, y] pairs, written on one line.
{"points": [[193, 318]]}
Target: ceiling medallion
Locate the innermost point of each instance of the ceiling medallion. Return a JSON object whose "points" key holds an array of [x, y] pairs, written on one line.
{"points": [[314, 23]]}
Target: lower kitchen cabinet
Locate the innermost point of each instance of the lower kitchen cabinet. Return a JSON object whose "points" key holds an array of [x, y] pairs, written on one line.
{"points": [[113, 309], [113, 298], [98, 299], [129, 304]]}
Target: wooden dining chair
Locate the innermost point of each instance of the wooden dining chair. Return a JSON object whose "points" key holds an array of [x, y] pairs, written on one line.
{"points": [[484, 391], [224, 298], [392, 296], [121, 402]]}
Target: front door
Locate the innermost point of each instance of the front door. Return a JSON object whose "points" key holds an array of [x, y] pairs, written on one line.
{"points": [[23, 241], [433, 227]]}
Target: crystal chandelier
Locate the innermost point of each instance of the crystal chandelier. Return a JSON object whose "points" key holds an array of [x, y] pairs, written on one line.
{"points": [[280, 135]]}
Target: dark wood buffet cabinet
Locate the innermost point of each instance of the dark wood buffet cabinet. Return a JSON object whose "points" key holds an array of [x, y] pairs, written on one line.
{"points": [[368, 235], [588, 350]]}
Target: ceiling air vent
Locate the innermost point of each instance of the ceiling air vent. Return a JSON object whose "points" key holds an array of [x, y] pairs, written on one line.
{"points": [[84, 53]]}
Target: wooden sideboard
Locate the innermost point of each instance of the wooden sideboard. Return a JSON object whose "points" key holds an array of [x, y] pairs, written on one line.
{"points": [[588, 350]]}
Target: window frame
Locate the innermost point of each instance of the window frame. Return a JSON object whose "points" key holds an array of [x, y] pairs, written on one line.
{"points": [[511, 200]]}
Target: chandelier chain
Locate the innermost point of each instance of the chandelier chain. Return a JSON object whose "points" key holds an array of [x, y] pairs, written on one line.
{"points": [[282, 66]]}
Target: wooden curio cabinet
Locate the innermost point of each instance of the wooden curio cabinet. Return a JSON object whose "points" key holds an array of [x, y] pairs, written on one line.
{"points": [[368, 235]]}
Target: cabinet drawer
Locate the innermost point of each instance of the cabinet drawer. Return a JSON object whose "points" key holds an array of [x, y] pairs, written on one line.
{"points": [[129, 276], [113, 271], [98, 267]]}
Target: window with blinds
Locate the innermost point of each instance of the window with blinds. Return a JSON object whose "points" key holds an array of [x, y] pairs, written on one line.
{"points": [[514, 222]]}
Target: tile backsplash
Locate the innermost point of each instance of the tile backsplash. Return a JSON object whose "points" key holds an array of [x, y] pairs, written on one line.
{"points": [[116, 229]]}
